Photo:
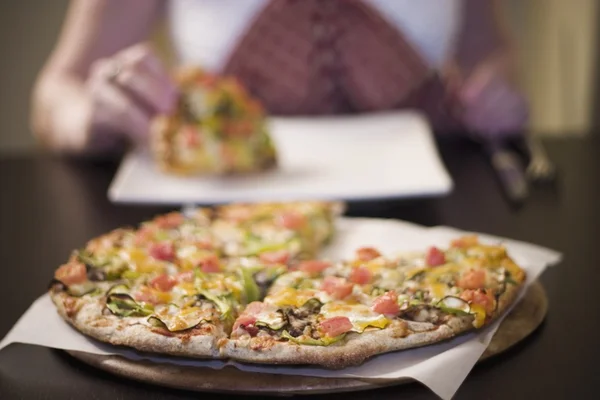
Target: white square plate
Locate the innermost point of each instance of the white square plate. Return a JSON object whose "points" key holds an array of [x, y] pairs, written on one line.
{"points": [[383, 155]]}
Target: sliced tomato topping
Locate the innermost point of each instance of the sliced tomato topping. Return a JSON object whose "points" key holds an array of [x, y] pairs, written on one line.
{"points": [[187, 276], [361, 275], [465, 241], [210, 264], [387, 304], [472, 279], [205, 244], [313, 266], [275, 257], [169, 221], [71, 273], [291, 220], [144, 235], [338, 288], [145, 295], [482, 297], [191, 136], [435, 257], [335, 326], [163, 282], [367, 253], [162, 251]]}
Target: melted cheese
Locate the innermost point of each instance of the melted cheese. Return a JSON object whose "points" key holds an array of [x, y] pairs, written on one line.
{"points": [[177, 319], [361, 316], [438, 290], [185, 289], [234, 285], [270, 317], [483, 251], [292, 297], [140, 262], [480, 315]]}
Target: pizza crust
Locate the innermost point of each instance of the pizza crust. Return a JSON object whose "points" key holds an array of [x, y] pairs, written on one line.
{"points": [[354, 350], [88, 318]]}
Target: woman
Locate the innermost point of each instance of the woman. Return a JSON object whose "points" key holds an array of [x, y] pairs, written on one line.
{"points": [[102, 84]]}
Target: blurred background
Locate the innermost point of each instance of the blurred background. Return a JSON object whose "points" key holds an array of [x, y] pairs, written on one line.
{"points": [[557, 39]]}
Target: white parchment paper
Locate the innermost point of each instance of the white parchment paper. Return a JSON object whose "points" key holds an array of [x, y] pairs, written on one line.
{"points": [[442, 367]]}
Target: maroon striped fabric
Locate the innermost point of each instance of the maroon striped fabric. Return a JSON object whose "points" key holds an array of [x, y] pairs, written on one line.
{"points": [[307, 57]]}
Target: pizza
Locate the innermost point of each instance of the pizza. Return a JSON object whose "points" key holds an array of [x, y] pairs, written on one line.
{"points": [[245, 282], [217, 128]]}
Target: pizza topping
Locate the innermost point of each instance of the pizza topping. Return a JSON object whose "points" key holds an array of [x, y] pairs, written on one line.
{"points": [[481, 297], [387, 304], [367, 253], [123, 305], [71, 273], [223, 303], [435, 257], [337, 288], [291, 220], [105, 268], [175, 319], [251, 289], [191, 136], [454, 305], [205, 244], [361, 316], [291, 297], [187, 276], [314, 267], [335, 326], [144, 235], [246, 323], [210, 264], [248, 318], [275, 257], [361, 275], [472, 279], [465, 241], [270, 318], [169, 221], [164, 251], [163, 282], [300, 320]]}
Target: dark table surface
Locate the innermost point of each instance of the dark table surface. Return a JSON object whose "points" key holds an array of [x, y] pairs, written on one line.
{"points": [[49, 206]]}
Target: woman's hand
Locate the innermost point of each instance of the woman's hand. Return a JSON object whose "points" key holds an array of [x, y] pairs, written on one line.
{"points": [[126, 91], [489, 105]]}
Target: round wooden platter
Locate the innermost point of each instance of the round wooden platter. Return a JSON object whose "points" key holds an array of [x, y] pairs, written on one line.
{"points": [[520, 323]]}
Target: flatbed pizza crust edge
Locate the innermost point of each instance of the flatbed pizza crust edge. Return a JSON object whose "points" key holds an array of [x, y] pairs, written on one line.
{"points": [[87, 317], [354, 351]]}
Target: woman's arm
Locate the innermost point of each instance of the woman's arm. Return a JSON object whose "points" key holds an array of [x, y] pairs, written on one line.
{"points": [[484, 36], [64, 100], [480, 76]]}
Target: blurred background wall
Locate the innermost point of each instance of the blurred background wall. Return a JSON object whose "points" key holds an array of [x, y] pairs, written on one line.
{"points": [[557, 41]]}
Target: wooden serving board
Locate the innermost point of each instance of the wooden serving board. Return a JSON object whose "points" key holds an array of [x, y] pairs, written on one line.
{"points": [[520, 323]]}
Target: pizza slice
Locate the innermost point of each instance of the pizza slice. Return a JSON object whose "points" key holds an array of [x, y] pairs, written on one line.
{"points": [[339, 314], [217, 127], [160, 288], [276, 232]]}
